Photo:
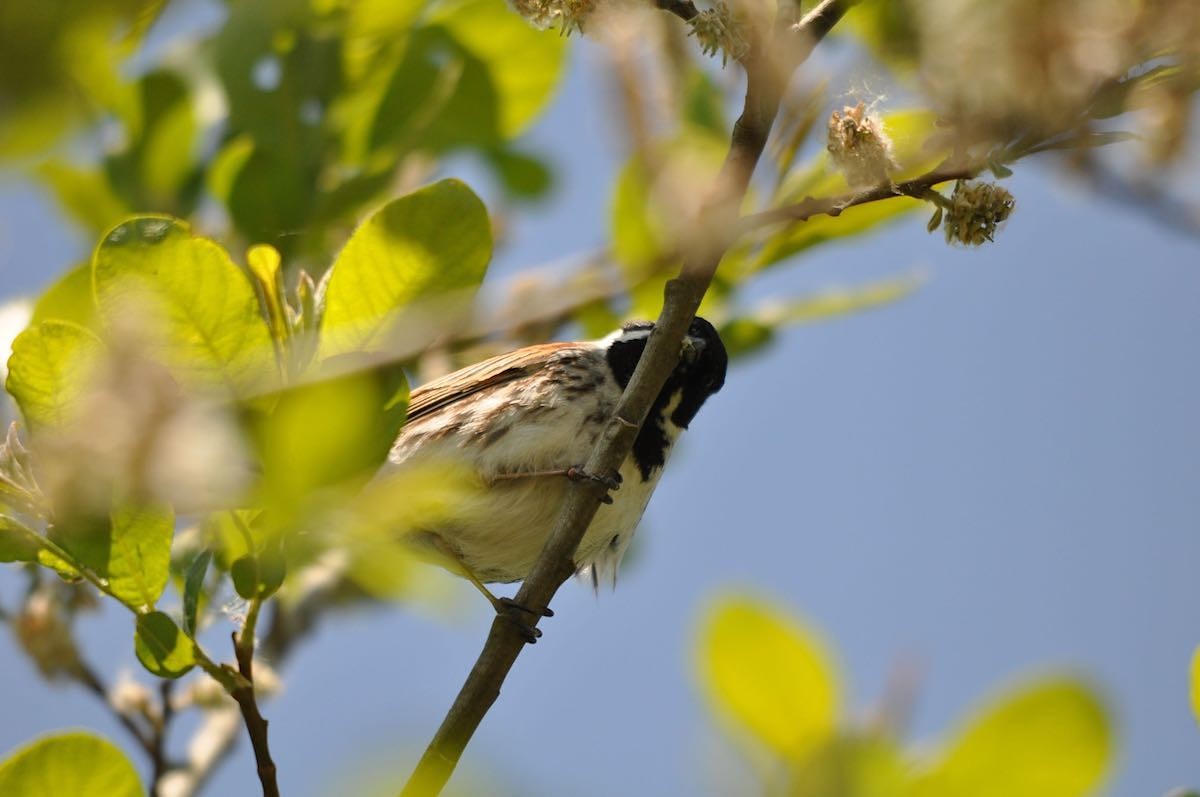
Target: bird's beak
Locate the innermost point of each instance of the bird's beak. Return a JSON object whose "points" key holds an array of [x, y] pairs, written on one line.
{"points": [[693, 347]]}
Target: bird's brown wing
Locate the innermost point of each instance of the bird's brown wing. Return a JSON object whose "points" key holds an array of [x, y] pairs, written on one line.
{"points": [[453, 387]]}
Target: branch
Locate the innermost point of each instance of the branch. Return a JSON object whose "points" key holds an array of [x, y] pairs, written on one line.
{"points": [[256, 724], [918, 188], [684, 9], [555, 563]]}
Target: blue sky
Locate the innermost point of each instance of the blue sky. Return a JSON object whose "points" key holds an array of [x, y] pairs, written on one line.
{"points": [[996, 477]]}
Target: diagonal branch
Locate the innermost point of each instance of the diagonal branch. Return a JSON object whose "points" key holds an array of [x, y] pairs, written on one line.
{"points": [[804, 210], [555, 564]]}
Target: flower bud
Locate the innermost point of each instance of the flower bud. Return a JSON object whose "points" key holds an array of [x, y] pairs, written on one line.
{"points": [[976, 211], [859, 146]]}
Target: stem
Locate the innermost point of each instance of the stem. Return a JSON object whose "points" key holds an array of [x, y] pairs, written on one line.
{"points": [[682, 297], [918, 188], [256, 724]]}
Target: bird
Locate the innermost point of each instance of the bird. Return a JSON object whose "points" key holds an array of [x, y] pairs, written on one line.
{"points": [[521, 424]]}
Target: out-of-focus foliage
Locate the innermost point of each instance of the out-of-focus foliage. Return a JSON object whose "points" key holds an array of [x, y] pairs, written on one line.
{"points": [[79, 764], [769, 678], [205, 400]]}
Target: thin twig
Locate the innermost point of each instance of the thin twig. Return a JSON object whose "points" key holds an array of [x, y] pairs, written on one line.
{"points": [[804, 210], [256, 724], [555, 563], [158, 752]]}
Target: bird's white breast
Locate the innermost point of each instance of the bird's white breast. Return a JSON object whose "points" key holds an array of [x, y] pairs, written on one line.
{"points": [[498, 528]]}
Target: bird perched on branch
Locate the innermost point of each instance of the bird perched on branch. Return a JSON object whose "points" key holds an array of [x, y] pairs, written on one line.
{"points": [[523, 423]]}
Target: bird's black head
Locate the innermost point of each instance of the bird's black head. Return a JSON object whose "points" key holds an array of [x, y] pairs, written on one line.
{"points": [[699, 374]]}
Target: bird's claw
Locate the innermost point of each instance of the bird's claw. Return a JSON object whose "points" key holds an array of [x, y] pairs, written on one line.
{"points": [[612, 480], [510, 609]]}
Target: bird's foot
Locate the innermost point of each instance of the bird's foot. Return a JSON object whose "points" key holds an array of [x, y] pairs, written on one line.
{"points": [[516, 613], [611, 480]]}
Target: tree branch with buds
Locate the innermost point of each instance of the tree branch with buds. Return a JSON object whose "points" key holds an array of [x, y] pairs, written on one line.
{"points": [[717, 230]]}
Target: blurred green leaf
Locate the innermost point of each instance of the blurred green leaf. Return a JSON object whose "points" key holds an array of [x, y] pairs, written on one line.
{"points": [[193, 590], [77, 764], [704, 103], [16, 544], [524, 65], [743, 336], [280, 66], [888, 29], [328, 435], [49, 370], [768, 675], [139, 562], [244, 575], [433, 244], [523, 175], [1049, 737], [70, 298], [60, 64], [84, 193], [851, 766], [646, 217], [161, 647], [197, 309], [158, 170]]}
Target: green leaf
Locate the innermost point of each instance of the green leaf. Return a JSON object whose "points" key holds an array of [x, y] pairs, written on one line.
{"points": [[430, 245], [1050, 737], [139, 562], [523, 175], [84, 193], [244, 573], [198, 308], [272, 569], [76, 764], [193, 589], [49, 370], [161, 647], [766, 674], [524, 65], [327, 438], [70, 298], [16, 544], [851, 766]]}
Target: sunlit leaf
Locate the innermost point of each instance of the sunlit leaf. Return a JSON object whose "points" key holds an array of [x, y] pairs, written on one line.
{"points": [[431, 245], [70, 298], [1050, 737], [196, 307], [77, 764], [768, 675], [49, 370], [161, 647], [16, 543], [140, 559]]}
